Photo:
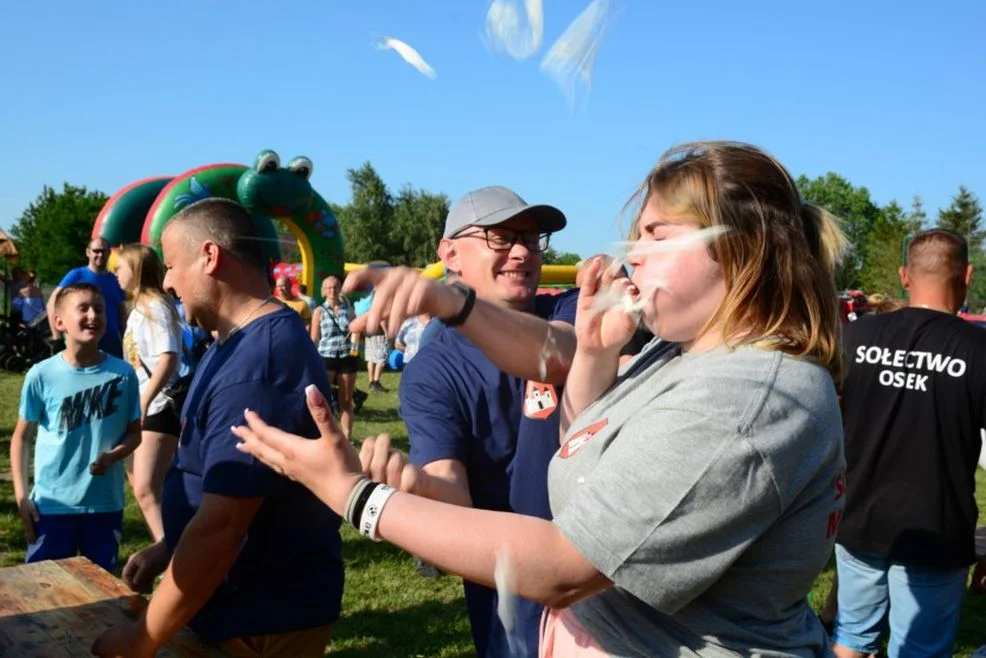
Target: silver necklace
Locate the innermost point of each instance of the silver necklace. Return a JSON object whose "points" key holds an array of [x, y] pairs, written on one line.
{"points": [[242, 323]]}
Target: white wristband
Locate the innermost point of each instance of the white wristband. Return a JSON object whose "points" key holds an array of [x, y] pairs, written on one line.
{"points": [[373, 509]]}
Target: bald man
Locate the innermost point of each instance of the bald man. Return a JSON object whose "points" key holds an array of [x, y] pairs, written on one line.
{"points": [[285, 295], [95, 273], [914, 402]]}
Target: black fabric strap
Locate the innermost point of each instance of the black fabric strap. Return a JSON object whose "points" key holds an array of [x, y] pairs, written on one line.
{"points": [[361, 503], [460, 318]]}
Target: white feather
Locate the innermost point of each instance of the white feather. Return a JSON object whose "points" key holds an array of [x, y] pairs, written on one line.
{"points": [[506, 607], [692, 240], [572, 58], [408, 54], [505, 30]]}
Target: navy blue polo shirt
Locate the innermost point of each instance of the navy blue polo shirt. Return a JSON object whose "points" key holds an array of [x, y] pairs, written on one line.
{"points": [[289, 574], [458, 405]]}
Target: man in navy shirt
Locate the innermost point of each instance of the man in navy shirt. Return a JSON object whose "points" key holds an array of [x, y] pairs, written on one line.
{"points": [[95, 273], [251, 560], [480, 399]]}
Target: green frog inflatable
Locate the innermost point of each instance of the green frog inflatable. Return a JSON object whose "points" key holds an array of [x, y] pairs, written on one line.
{"points": [[140, 211]]}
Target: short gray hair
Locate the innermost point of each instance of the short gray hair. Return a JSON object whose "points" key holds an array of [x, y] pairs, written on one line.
{"points": [[226, 223]]}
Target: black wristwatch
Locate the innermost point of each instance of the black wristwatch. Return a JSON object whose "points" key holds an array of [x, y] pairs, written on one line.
{"points": [[470, 294]]}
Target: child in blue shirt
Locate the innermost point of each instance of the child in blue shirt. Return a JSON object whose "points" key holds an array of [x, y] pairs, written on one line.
{"points": [[85, 406]]}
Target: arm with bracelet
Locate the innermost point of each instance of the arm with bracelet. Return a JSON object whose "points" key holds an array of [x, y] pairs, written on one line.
{"points": [[484, 323]]}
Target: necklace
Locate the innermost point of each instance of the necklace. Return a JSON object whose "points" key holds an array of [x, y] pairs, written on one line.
{"points": [[242, 323], [932, 308]]}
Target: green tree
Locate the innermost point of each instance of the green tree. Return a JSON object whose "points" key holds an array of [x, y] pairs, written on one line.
{"points": [[917, 213], [401, 230], [884, 250], [964, 216], [366, 222], [52, 233], [553, 257], [419, 220], [858, 213]]}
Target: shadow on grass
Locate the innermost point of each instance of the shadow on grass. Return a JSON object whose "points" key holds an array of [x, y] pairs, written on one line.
{"points": [[358, 552], [425, 629], [378, 416]]}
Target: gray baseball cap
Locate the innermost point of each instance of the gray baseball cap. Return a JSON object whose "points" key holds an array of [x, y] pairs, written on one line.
{"points": [[489, 206]]}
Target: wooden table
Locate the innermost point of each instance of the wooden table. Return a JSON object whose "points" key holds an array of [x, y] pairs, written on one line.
{"points": [[58, 608]]}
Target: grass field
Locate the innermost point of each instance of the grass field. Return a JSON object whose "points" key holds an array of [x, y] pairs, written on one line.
{"points": [[389, 611]]}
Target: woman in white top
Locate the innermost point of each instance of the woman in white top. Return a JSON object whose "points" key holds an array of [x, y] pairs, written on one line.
{"points": [[151, 344]]}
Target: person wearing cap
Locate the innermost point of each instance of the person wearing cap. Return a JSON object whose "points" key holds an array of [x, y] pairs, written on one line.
{"points": [[481, 399]]}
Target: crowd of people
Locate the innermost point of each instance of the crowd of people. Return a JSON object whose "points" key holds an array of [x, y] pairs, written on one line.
{"points": [[658, 462]]}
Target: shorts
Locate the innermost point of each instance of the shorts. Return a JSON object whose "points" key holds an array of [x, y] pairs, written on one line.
{"points": [[921, 604], [165, 421], [376, 349], [95, 536], [344, 366]]}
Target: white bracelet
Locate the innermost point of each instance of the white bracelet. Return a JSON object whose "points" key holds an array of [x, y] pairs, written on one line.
{"points": [[373, 510]]}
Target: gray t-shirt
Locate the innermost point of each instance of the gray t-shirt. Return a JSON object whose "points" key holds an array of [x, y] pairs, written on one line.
{"points": [[708, 488]]}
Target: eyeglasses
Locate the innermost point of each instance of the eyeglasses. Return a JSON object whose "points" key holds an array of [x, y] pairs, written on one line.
{"points": [[98, 251], [503, 239]]}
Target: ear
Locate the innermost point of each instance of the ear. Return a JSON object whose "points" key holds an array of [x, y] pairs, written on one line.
{"points": [[59, 323], [905, 280], [968, 275], [448, 251], [212, 255]]}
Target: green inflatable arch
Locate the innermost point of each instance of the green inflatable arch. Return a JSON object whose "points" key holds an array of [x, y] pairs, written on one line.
{"points": [[140, 211]]}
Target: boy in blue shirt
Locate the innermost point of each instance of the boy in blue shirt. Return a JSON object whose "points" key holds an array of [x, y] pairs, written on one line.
{"points": [[85, 406]]}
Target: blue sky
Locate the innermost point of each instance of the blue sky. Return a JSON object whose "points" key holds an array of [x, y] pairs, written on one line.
{"points": [[891, 95]]}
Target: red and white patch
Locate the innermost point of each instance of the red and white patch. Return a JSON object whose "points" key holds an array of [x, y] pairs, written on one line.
{"points": [[578, 441], [540, 400]]}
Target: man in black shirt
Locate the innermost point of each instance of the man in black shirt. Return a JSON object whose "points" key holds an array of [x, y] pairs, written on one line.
{"points": [[914, 402]]}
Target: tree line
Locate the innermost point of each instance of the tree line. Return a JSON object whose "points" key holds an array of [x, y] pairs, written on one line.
{"points": [[878, 235], [404, 228]]}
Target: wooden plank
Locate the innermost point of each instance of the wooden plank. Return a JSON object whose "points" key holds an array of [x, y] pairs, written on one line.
{"points": [[56, 609]]}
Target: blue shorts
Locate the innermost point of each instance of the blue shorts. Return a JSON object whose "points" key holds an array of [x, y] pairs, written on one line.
{"points": [[95, 536], [921, 604]]}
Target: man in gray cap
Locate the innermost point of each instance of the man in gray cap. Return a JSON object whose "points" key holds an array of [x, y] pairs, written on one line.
{"points": [[480, 400]]}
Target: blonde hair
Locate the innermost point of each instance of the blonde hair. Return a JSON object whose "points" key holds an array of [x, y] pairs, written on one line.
{"points": [[147, 282], [779, 256], [880, 303]]}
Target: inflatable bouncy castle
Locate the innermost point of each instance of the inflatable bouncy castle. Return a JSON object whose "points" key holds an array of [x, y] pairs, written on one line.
{"points": [[140, 211]]}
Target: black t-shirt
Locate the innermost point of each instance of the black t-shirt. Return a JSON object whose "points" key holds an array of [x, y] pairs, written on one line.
{"points": [[913, 408]]}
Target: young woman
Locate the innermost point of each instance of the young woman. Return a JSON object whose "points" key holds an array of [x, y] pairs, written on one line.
{"points": [[330, 332], [152, 345], [698, 489]]}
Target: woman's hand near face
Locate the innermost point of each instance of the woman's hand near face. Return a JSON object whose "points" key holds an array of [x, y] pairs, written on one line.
{"points": [[605, 320]]}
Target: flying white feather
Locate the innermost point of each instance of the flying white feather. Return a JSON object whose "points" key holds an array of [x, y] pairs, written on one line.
{"points": [[506, 607], [572, 58], [408, 54], [505, 30]]}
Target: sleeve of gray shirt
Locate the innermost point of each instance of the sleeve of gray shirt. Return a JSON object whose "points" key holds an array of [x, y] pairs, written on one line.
{"points": [[667, 539]]}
